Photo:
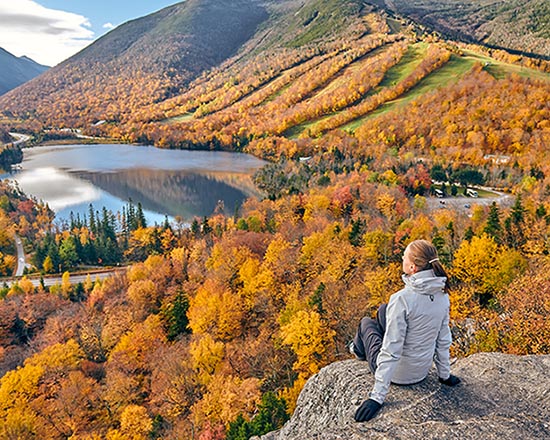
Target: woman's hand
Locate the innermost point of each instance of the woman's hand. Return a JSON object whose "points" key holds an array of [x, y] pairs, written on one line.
{"points": [[367, 410]]}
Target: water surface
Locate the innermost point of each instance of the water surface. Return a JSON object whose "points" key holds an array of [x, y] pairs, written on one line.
{"points": [[166, 182]]}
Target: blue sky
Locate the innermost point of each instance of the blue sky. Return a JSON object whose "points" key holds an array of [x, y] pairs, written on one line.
{"points": [[50, 31]]}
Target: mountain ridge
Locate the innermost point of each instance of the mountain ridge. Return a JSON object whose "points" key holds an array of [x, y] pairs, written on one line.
{"points": [[521, 26], [17, 70]]}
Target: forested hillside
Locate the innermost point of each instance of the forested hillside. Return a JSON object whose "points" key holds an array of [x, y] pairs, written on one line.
{"points": [[142, 61], [214, 328], [520, 25]]}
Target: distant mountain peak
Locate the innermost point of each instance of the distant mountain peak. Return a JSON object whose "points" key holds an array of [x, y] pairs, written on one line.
{"points": [[17, 70]]}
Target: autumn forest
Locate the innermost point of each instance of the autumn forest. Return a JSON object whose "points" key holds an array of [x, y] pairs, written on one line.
{"points": [[216, 323]]}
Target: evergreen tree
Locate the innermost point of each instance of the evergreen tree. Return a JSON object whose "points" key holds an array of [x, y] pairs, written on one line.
{"points": [[131, 213], [89, 253], [40, 252], [469, 234], [493, 227], [155, 247], [437, 173], [541, 211], [92, 224], [517, 213], [439, 242], [205, 227], [452, 234], [140, 217], [175, 316], [271, 416], [195, 227], [358, 229], [67, 253], [53, 255], [513, 225], [78, 294], [316, 300]]}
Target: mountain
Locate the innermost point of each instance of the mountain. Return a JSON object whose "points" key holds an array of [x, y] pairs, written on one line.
{"points": [[519, 25], [205, 74], [142, 61], [493, 401], [17, 70]]}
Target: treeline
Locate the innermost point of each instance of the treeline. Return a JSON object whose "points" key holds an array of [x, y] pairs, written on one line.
{"points": [[435, 58], [5, 137], [101, 238], [480, 120], [22, 216], [10, 155]]}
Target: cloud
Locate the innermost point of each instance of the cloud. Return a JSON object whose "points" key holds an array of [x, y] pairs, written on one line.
{"points": [[108, 26], [48, 36]]}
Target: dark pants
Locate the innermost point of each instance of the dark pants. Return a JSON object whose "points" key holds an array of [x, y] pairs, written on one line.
{"points": [[368, 339]]}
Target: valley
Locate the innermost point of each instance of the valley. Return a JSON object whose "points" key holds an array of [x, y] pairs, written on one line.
{"points": [[342, 130]]}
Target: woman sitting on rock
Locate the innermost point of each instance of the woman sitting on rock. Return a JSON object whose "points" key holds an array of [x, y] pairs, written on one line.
{"points": [[410, 332]]}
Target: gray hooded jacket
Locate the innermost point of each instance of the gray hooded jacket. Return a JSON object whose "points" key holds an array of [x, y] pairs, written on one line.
{"points": [[417, 333]]}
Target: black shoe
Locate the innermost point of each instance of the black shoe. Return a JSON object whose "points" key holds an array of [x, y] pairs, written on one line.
{"points": [[351, 348]]}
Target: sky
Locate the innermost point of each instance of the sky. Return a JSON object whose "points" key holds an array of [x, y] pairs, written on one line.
{"points": [[50, 31]]}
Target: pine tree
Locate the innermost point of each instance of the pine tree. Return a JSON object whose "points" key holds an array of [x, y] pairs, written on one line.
{"points": [[92, 223], [469, 234], [272, 414], [513, 225], [140, 217], [176, 316], [493, 227]]}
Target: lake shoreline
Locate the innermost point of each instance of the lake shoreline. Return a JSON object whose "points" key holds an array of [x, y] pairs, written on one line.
{"points": [[70, 176]]}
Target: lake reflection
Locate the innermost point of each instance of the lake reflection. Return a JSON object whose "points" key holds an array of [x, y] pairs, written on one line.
{"points": [[165, 182]]}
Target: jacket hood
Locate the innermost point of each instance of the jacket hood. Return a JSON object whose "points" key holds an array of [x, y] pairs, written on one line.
{"points": [[425, 282]]}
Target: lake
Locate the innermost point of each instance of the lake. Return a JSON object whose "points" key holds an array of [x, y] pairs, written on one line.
{"points": [[166, 182]]}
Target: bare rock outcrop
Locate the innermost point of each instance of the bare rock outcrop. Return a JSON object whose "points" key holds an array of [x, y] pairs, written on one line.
{"points": [[501, 397]]}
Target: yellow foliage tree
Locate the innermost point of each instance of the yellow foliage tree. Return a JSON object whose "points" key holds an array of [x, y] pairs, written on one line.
{"points": [[130, 362], [381, 283], [135, 424], [485, 265], [309, 339], [207, 355], [227, 397], [254, 279], [19, 388], [66, 286], [144, 296], [216, 310], [137, 272], [378, 246], [47, 265], [329, 253], [26, 285]]}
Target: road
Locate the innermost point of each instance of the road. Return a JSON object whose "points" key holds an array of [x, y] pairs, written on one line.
{"points": [[80, 277], [20, 257], [75, 278], [21, 138]]}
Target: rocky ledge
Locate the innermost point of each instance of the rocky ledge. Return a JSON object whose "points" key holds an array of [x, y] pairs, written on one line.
{"points": [[501, 397]]}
